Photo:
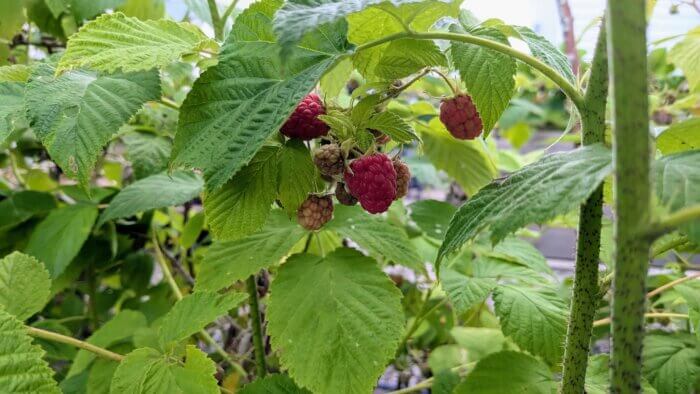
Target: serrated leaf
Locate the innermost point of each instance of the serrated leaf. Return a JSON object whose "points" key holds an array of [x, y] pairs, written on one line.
{"points": [[144, 9], [87, 9], [535, 319], [598, 376], [273, 384], [242, 206], [686, 55], [465, 161], [117, 42], [398, 59], [554, 185], [24, 285], [546, 52], [11, 107], [255, 22], [374, 234], [392, 125], [521, 252], [677, 184], [153, 192], [59, 237], [465, 291], [147, 371], [432, 216], [680, 137], [15, 73], [76, 114], [100, 376], [479, 341], [525, 375], [495, 268], [298, 175], [228, 261], [23, 370], [672, 362], [192, 313], [487, 74], [344, 308], [148, 153]]}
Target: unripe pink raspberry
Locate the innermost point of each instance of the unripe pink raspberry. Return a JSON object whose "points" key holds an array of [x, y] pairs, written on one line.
{"points": [[460, 117], [372, 180], [403, 178], [304, 123], [344, 197], [315, 211]]}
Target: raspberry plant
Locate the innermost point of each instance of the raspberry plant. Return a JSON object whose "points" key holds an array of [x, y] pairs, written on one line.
{"points": [[188, 214]]}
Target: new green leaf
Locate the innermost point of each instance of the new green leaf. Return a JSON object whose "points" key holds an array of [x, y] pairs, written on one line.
{"points": [[686, 55], [546, 52], [677, 180], [24, 285], [525, 374], [672, 362], [680, 137]]}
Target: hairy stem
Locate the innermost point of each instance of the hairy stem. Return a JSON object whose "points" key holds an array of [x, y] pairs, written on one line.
{"points": [[55, 337], [258, 336], [585, 291], [626, 24]]}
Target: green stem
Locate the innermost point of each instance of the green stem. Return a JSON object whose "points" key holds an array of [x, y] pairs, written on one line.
{"points": [[626, 24], [672, 221], [228, 12], [569, 89], [585, 291], [55, 337], [607, 320], [260, 367], [216, 20]]}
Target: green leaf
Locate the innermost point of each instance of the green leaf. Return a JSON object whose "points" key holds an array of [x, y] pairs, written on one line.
{"points": [[273, 384], [117, 42], [521, 252], [11, 107], [677, 180], [686, 55], [680, 137], [479, 341], [146, 371], [432, 216], [100, 376], [525, 375], [552, 186], [229, 261], [192, 313], [242, 206], [487, 74], [23, 369], [156, 191], [87, 9], [672, 362], [335, 79], [535, 319], [12, 18], [15, 73], [345, 309], [24, 285], [465, 291], [59, 237], [148, 153], [398, 59], [144, 9], [598, 376], [374, 234], [465, 161], [119, 329], [546, 52], [392, 125], [21, 206], [297, 175], [239, 103], [76, 114], [255, 22]]}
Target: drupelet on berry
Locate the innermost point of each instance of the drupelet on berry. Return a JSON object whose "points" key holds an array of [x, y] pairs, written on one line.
{"points": [[315, 211], [461, 118], [372, 180], [304, 123]]}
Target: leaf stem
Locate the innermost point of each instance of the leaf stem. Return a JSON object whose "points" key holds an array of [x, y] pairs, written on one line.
{"points": [[608, 320], [228, 12], [169, 103], [672, 221], [258, 336], [671, 284], [216, 20], [55, 337]]}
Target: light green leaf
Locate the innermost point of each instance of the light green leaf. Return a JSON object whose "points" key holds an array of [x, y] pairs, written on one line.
{"points": [[242, 206], [255, 22], [273, 384], [374, 234], [100, 376], [229, 261], [76, 114], [298, 175], [194, 312], [494, 268], [15, 73], [465, 161], [487, 74], [87, 9], [335, 79], [344, 308], [12, 18], [521, 252], [24, 285], [118, 42], [479, 341], [677, 179], [598, 376], [398, 59], [672, 362], [146, 371], [432, 216], [535, 319], [686, 55], [148, 153], [465, 291], [525, 375], [392, 125], [59, 237], [546, 52], [156, 191], [23, 369], [144, 9], [11, 107], [680, 137], [554, 185]]}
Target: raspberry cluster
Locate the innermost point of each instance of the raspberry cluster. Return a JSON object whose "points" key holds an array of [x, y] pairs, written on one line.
{"points": [[460, 117]]}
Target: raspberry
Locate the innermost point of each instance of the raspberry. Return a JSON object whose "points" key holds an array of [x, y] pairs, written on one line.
{"points": [[372, 180], [315, 211], [403, 177], [344, 197], [304, 123], [460, 117], [379, 137], [329, 160]]}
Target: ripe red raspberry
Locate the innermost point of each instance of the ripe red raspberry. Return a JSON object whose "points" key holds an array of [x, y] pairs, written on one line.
{"points": [[372, 180], [315, 211], [343, 195], [460, 117], [403, 178], [304, 123], [329, 160]]}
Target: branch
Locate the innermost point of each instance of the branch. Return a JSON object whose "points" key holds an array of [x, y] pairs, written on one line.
{"points": [[671, 284], [258, 336], [674, 220], [55, 337]]}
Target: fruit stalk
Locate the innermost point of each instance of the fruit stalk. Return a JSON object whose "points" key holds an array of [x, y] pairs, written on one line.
{"points": [[627, 46], [585, 291], [258, 343]]}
